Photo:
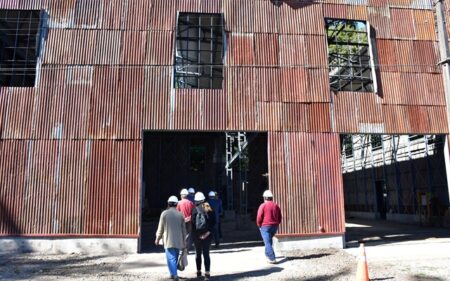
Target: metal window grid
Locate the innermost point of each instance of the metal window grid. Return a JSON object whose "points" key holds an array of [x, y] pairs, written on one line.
{"points": [[199, 51], [19, 39], [349, 55]]}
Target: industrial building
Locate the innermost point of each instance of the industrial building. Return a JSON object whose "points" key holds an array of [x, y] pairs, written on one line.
{"points": [[108, 107]]}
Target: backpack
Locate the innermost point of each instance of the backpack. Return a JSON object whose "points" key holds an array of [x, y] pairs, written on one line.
{"points": [[200, 221]]}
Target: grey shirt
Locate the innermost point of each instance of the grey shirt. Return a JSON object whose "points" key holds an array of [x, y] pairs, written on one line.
{"points": [[172, 229]]}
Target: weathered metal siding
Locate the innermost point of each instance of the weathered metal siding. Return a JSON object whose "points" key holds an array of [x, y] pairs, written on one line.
{"points": [[75, 187], [306, 178], [70, 147]]}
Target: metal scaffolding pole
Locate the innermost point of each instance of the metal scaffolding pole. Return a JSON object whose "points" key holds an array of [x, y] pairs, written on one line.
{"points": [[229, 141]]}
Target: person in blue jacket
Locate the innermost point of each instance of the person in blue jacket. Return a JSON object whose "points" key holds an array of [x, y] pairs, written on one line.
{"points": [[216, 205]]}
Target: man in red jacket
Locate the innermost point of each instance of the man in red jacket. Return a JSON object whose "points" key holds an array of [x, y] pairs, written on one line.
{"points": [[268, 219]]}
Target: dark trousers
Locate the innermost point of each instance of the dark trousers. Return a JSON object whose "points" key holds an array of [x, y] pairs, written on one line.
{"points": [[202, 247], [189, 235]]}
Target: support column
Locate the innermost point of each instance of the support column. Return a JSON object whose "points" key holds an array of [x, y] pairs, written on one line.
{"points": [[445, 62], [447, 164]]}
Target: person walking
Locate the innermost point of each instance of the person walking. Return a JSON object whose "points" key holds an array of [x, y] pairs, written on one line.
{"points": [[190, 196], [203, 221], [172, 230], [185, 206], [219, 222], [268, 219], [216, 205]]}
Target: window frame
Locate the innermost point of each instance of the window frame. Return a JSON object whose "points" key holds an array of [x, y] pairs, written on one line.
{"points": [[27, 66], [371, 53], [210, 67]]}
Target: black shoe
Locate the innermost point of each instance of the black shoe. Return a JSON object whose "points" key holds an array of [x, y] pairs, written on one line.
{"points": [[207, 275], [199, 274]]}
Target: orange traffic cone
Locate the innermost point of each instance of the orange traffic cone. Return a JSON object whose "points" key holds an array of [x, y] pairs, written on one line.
{"points": [[362, 273]]}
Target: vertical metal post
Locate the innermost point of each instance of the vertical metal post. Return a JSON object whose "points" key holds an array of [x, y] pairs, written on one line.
{"points": [[445, 60], [242, 140], [429, 167], [229, 169], [374, 185], [397, 174], [363, 164], [413, 175], [384, 170], [355, 173]]}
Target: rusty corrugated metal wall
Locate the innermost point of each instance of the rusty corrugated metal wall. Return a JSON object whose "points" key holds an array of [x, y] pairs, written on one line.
{"points": [[70, 147]]}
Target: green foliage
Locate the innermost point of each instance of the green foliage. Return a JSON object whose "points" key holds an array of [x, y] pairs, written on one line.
{"points": [[345, 40]]}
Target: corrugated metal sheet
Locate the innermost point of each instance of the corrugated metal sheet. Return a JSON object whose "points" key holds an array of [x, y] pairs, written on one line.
{"points": [[402, 31], [267, 49], [157, 98], [17, 124], [306, 181], [241, 49], [69, 187]]}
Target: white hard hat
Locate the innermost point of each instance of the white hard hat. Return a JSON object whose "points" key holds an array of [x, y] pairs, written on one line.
{"points": [[184, 191], [211, 194], [191, 190], [199, 196], [267, 193], [172, 199]]}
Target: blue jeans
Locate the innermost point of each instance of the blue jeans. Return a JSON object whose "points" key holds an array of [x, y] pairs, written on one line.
{"points": [[172, 258], [267, 233]]}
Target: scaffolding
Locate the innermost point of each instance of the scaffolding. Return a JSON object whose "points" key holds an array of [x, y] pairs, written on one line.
{"points": [[394, 158], [236, 149]]}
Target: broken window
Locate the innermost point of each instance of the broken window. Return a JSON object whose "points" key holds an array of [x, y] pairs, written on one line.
{"points": [[375, 141], [199, 51], [19, 41], [347, 145], [349, 55]]}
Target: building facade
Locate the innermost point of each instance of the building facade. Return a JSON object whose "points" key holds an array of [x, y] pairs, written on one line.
{"points": [[81, 80]]}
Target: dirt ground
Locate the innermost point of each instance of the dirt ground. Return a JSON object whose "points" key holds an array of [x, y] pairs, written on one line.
{"points": [[304, 265], [394, 252]]}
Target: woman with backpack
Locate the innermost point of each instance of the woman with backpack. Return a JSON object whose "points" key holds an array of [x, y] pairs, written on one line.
{"points": [[203, 222]]}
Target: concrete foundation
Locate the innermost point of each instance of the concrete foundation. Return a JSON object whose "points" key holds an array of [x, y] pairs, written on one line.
{"points": [[283, 245], [69, 245]]}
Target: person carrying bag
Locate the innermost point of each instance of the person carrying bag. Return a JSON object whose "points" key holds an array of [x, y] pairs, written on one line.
{"points": [[203, 221]]}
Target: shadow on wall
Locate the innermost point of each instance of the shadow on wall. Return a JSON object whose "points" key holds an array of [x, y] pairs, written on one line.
{"points": [[294, 4]]}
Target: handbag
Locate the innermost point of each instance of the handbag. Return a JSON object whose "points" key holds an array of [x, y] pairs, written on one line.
{"points": [[182, 260]]}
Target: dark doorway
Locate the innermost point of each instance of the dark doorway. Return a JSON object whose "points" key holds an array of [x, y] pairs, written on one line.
{"points": [[381, 198], [176, 160]]}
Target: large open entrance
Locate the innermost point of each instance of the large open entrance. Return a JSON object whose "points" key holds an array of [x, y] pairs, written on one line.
{"points": [[391, 181], [232, 163]]}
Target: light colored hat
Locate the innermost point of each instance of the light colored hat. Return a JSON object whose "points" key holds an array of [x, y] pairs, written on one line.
{"points": [[184, 191], [191, 190], [211, 194], [172, 199], [199, 196], [267, 193]]}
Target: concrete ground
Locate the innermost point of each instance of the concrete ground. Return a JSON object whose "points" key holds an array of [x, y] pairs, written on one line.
{"points": [[394, 252]]}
